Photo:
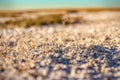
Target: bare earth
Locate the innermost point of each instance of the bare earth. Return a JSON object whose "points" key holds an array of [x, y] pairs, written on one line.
{"points": [[88, 51]]}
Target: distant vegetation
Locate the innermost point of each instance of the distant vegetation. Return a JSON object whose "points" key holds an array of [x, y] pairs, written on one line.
{"points": [[10, 14], [37, 21], [20, 21], [40, 20]]}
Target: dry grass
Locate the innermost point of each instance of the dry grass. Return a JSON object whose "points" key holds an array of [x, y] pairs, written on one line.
{"points": [[41, 20]]}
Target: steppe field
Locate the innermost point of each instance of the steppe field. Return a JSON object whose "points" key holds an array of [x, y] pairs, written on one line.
{"points": [[60, 45]]}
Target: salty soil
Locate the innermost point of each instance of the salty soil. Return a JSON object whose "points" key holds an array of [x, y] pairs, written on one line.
{"points": [[89, 51]]}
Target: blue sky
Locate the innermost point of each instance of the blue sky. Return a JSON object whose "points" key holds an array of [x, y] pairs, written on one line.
{"points": [[41, 4]]}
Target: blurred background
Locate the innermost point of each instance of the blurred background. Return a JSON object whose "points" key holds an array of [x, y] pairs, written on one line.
{"points": [[52, 4], [27, 13]]}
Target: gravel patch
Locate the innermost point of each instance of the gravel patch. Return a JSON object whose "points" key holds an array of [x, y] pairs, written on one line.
{"points": [[74, 52]]}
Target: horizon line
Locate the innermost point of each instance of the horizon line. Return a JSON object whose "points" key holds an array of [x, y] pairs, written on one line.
{"points": [[49, 9]]}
